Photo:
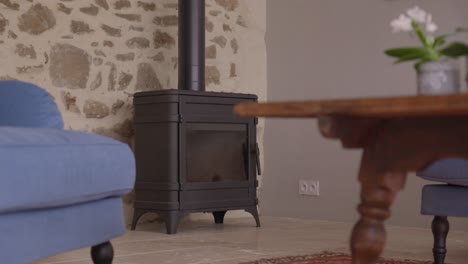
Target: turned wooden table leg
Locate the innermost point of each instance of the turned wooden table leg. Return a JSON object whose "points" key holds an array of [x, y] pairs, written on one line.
{"points": [[377, 195], [392, 147]]}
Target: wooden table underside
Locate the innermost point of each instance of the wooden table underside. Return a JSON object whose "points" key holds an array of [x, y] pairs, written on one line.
{"points": [[397, 135]]}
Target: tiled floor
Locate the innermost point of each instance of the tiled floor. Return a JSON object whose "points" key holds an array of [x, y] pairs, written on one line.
{"points": [[239, 240]]}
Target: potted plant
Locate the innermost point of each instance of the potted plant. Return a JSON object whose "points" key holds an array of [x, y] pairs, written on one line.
{"points": [[437, 71]]}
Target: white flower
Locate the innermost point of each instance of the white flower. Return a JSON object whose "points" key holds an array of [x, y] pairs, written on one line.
{"points": [[418, 15], [403, 23], [431, 27]]}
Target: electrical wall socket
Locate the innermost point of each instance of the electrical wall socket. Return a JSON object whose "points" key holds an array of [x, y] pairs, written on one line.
{"points": [[310, 188]]}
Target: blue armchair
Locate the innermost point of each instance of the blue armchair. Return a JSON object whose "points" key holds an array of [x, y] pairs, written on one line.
{"points": [[444, 200], [59, 190]]}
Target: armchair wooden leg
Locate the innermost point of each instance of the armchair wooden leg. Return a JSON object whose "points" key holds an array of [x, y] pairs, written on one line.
{"points": [[103, 253], [440, 229]]}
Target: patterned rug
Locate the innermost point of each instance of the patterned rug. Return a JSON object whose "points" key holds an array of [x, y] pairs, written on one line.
{"points": [[327, 258]]}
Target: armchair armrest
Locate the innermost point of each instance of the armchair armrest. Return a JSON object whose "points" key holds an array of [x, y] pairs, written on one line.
{"points": [[26, 105]]}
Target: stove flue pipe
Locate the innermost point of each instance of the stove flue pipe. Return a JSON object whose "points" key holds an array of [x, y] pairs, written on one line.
{"points": [[192, 45]]}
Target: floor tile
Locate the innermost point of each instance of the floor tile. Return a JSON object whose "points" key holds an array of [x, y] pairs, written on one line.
{"points": [[238, 240]]}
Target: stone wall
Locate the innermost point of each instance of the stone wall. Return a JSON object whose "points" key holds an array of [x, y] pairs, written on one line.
{"points": [[93, 55]]}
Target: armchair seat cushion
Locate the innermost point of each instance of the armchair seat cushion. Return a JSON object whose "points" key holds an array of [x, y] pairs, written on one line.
{"points": [[451, 171], [444, 200], [46, 168]]}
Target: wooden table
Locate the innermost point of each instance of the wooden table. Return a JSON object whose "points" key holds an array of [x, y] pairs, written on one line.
{"points": [[398, 135]]}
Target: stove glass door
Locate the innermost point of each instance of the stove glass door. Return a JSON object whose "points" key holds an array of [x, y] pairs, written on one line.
{"points": [[216, 153]]}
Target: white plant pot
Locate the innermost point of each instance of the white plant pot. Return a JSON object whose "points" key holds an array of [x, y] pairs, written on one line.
{"points": [[438, 78]]}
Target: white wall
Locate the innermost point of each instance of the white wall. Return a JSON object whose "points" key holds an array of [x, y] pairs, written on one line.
{"points": [[334, 49]]}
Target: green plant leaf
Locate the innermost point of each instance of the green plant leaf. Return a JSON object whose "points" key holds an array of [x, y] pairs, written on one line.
{"points": [[409, 57], [455, 50], [439, 41], [418, 65], [412, 53], [401, 52], [420, 34], [461, 29]]}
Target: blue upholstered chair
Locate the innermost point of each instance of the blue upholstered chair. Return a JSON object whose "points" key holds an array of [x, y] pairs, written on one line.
{"points": [[59, 190], [445, 200]]}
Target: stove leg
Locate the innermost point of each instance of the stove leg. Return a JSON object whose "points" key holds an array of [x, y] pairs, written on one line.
{"points": [[254, 211], [136, 216], [219, 217], [171, 218]]}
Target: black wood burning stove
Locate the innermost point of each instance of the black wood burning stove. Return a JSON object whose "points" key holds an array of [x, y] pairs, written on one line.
{"points": [[192, 153]]}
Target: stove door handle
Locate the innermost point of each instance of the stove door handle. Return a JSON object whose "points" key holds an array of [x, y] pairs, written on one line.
{"points": [[257, 157]]}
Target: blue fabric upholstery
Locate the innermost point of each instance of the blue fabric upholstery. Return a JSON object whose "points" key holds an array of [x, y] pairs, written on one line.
{"points": [[32, 235], [26, 105], [43, 167], [451, 171], [445, 200], [59, 190]]}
